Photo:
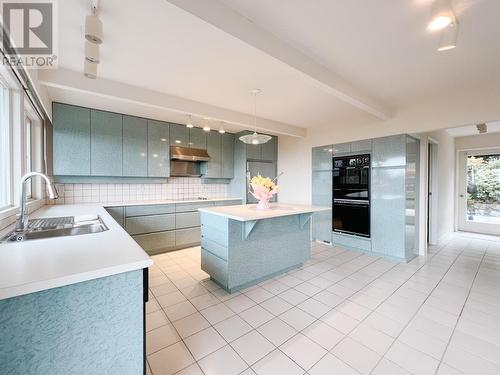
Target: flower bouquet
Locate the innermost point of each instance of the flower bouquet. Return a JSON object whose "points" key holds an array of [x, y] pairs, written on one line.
{"points": [[263, 189]]}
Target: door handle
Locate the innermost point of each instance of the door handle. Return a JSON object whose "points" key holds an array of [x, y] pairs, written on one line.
{"points": [[461, 195]]}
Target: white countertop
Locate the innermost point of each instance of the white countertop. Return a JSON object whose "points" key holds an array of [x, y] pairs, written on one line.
{"points": [[36, 265], [166, 201], [250, 212]]}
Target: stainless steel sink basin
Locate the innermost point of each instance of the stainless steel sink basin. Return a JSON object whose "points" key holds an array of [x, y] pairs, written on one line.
{"points": [[57, 227]]}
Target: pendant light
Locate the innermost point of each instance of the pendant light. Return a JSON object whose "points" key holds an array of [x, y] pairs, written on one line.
{"points": [[442, 15], [93, 28], [255, 138], [92, 52], [190, 122], [449, 38], [89, 69]]}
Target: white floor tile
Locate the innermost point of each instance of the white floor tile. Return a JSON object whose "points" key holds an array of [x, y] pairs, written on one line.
{"points": [[217, 313], [330, 365], [179, 311], [323, 334], [155, 319], [328, 298], [252, 347], [293, 297], [277, 363], [468, 363], [160, 338], [256, 316], [340, 321], [386, 367], [190, 325], [276, 305], [308, 289], [314, 307], [297, 318], [205, 300], [224, 361], [194, 369], [303, 351], [239, 303], [232, 328], [170, 360], [277, 331], [258, 294], [372, 338], [356, 355], [171, 299], [411, 359], [423, 342], [204, 342]]}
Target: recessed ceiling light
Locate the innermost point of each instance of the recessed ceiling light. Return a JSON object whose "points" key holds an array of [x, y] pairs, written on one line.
{"points": [[164, 139], [222, 129], [206, 128], [190, 122], [442, 15], [448, 38], [177, 141]]}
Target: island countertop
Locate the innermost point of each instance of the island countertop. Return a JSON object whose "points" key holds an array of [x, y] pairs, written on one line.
{"points": [[250, 212]]}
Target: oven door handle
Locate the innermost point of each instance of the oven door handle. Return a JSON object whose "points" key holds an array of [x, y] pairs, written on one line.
{"points": [[352, 202]]}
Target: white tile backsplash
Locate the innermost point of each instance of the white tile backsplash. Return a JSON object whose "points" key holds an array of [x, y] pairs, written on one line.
{"points": [[174, 188]]}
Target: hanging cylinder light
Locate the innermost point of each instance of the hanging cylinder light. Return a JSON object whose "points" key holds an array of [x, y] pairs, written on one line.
{"points": [[92, 54], [448, 38], [93, 27], [89, 69]]}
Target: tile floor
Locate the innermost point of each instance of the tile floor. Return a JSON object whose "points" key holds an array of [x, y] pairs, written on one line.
{"points": [[341, 313]]}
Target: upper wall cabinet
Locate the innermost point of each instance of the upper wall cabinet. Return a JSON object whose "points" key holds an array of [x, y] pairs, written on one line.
{"points": [[267, 151], [213, 168], [106, 143], [71, 140], [197, 138], [389, 151], [179, 135], [135, 146], [158, 149], [322, 158], [227, 155]]}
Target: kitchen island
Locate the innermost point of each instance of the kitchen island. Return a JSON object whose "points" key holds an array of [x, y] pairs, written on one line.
{"points": [[242, 246]]}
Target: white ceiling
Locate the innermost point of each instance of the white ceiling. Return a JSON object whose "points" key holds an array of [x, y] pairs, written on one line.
{"points": [[463, 131], [380, 47]]}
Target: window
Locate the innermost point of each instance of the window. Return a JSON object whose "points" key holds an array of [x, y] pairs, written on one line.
{"points": [[5, 148]]}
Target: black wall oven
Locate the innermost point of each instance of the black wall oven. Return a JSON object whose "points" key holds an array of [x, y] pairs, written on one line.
{"points": [[351, 195]]}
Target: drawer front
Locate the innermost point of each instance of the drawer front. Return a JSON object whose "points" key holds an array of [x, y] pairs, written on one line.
{"points": [[191, 207], [187, 220], [214, 248], [155, 209], [235, 202], [215, 267], [155, 243], [187, 237], [149, 224], [117, 214]]}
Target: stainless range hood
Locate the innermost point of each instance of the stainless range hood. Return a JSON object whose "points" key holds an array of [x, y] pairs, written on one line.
{"points": [[185, 161], [188, 154]]}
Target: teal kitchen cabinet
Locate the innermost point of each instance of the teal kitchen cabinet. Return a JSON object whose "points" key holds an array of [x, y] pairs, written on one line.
{"points": [[197, 138], [106, 135], [179, 135], [389, 151], [342, 148], [158, 149], [322, 158], [213, 168], [135, 146], [227, 155], [322, 196], [71, 140], [269, 150], [117, 213], [254, 152]]}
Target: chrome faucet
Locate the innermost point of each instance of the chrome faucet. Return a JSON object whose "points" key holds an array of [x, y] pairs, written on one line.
{"points": [[22, 221]]}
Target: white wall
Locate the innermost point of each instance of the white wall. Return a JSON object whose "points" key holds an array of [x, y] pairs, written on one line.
{"points": [[478, 141], [460, 108]]}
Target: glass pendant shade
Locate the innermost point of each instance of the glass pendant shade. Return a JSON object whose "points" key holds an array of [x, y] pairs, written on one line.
{"points": [[255, 138], [449, 38]]}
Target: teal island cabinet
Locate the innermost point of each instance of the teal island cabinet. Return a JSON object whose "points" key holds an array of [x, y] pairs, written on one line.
{"points": [[242, 246]]}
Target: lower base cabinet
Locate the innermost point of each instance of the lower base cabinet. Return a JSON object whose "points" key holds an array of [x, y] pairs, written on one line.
{"points": [[162, 228]]}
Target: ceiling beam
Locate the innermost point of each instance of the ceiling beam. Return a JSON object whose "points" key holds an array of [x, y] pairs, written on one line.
{"points": [[76, 82], [240, 27]]}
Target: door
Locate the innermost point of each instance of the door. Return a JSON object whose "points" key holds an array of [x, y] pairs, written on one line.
{"points": [[265, 169], [479, 191], [432, 193]]}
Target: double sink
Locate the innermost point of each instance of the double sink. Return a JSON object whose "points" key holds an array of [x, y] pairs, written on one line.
{"points": [[57, 227]]}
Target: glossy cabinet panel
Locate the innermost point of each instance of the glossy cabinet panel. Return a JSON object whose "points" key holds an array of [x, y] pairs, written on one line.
{"points": [[135, 146], [269, 150], [197, 138], [322, 158], [213, 168], [71, 140], [106, 143], [154, 209], [179, 135], [187, 237], [158, 149], [155, 243], [389, 151], [117, 213], [190, 207], [322, 196], [149, 224], [388, 211], [361, 146], [235, 202], [187, 220], [341, 148], [227, 155], [254, 152]]}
